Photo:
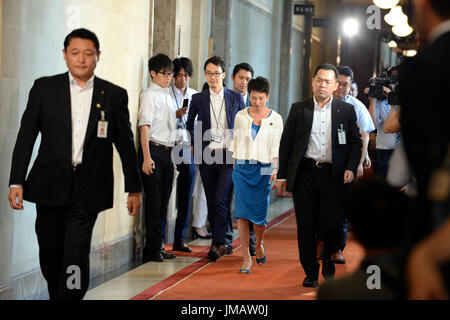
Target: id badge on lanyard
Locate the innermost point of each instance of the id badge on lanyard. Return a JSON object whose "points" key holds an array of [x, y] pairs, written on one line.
{"points": [[102, 130]]}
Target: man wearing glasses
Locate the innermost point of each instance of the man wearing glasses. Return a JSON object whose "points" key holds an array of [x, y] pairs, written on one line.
{"points": [[181, 95], [157, 125], [215, 110]]}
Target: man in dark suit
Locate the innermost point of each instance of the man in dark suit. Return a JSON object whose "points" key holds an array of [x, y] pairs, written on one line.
{"points": [[423, 90], [79, 117], [319, 152], [215, 110]]}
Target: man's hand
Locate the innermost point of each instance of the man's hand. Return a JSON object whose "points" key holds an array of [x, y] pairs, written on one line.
{"points": [[181, 112], [281, 186], [348, 176], [133, 203], [148, 166], [16, 198]]}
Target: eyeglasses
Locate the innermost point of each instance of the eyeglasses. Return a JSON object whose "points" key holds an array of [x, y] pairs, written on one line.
{"points": [[182, 75], [167, 74], [215, 74], [344, 84]]}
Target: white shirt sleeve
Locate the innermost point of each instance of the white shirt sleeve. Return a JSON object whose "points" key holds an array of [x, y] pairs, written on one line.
{"points": [[146, 110]]}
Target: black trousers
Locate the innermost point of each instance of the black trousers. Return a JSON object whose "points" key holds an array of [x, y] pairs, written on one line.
{"points": [[64, 236], [318, 205], [157, 187], [218, 186]]}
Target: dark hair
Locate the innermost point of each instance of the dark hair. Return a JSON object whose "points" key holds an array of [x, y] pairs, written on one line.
{"points": [[392, 69], [83, 34], [327, 66], [160, 62], [377, 213], [243, 66], [345, 71], [441, 8], [183, 63], [218, 61], [259, 84]]}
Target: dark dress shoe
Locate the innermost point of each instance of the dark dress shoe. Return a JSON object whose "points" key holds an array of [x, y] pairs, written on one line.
{"points": [[229, 249], [196, 235], [213, 253], [338, 257], [166, 255], [328, 269], [310, 283], [147, 258], [181, 246], [223, 250]]}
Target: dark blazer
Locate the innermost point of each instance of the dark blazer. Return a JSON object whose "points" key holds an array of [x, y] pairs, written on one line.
{"points": [[424, 89], [200, 109], [295, 139], [48, 112]]}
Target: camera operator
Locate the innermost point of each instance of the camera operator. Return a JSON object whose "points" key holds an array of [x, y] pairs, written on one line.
{"points": [[381, 100]]}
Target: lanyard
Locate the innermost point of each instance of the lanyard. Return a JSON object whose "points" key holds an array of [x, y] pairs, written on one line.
{"points": [[221, 108]]}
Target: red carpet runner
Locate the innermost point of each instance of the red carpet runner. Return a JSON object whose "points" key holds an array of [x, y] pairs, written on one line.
{"points": [[279, 279]]}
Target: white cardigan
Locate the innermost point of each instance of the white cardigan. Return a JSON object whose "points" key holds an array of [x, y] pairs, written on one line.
{"points": [[267, 142]]}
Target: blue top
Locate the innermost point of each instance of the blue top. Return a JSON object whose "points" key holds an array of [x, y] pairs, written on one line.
{"points": [[255, 128]]}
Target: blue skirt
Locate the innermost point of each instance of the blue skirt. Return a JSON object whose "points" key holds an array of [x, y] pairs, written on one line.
{"points": [[252, 190]]}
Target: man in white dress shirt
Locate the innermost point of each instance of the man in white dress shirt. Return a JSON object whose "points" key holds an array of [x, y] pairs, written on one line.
{"points": [[79, 117], [320, 150], [157, 124]]}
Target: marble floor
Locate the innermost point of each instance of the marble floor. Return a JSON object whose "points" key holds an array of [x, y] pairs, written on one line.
{"points": [[134, 278]]}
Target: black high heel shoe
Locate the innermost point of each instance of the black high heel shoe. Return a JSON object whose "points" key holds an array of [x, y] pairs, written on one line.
{"points": [[195, 235]]}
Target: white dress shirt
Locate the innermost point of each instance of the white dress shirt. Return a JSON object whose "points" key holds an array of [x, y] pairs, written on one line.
{"points": [[363, 118], [81, 100], [157, 111], [319, 145], [219, 124], [264, 148], [178, 97]]}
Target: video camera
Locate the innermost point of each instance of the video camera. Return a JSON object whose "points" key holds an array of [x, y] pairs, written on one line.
{"points": [[377, 84]]}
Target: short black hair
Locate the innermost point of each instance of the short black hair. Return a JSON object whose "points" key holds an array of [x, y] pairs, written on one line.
{"points": [[160, 62], [83, 34], [259, 84], [377, 213], [218, 61], [183, 63], [243, 66], [390, 70], [441, 8], [346, 71], [327, 66]]}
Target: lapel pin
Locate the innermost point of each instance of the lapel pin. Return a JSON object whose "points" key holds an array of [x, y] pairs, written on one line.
{"points": [[103, 92], [98, 105], [271, 123]]}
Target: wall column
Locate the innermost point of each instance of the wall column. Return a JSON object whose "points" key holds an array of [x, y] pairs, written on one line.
{"points": [[221, 32], [285, 59]]}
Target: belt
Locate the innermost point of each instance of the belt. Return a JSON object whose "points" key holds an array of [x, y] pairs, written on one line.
{"points": [[161, 146], [317, 164]]}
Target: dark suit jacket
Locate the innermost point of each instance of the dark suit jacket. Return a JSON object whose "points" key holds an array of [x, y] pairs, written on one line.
{"points": [[295, 139], [48, 112], [200, 109], [424, 88]]}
